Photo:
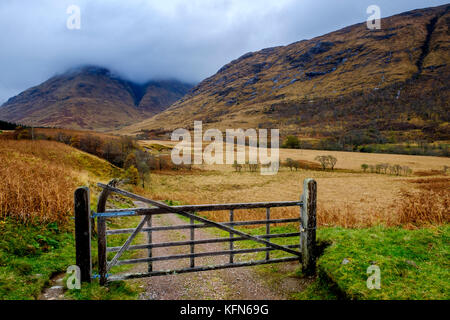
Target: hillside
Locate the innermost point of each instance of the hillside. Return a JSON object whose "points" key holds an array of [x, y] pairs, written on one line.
{"points": [[392, 82], [46, 172], [91, 98]]}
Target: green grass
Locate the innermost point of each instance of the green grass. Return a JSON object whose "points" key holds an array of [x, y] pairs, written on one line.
{"points": [[118, 290], [29, 256], [414, 264]]}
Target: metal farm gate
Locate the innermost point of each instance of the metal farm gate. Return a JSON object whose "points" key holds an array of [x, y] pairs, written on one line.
{"points": [[304, 252]]}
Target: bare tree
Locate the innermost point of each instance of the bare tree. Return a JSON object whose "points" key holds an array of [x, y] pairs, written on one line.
{"points": [[327, 161], [384, 167], [237, 166], [323, 160], [332, 161]]}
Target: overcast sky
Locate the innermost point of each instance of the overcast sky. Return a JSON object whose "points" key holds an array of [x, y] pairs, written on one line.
{"points": [[147, 39]]}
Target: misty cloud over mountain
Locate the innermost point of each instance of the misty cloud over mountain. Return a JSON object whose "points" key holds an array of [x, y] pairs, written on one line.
{"points": [[144, 40]]}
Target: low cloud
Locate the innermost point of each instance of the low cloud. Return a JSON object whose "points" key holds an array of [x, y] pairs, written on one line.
{"points": [[143, 40]]}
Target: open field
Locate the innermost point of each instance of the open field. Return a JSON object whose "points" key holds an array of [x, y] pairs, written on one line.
{"points": [[347, 197], [347, 160]]}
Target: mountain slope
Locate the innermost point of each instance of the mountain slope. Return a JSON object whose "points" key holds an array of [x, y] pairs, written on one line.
{"points": [[393, 79], [91, 98]]}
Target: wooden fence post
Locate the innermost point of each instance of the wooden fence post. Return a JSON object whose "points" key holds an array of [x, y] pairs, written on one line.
{"points": [[101, 237], [83, 233], [308, 227]]}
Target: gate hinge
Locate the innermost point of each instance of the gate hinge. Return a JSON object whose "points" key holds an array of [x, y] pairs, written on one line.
{"points": [[97, 276]]}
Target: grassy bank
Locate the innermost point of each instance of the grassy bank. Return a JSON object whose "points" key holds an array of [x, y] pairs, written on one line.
{"points": [[414, 264], [30, 256]]}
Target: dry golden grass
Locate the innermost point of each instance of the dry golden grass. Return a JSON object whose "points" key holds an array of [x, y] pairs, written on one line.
{"points": [[430, 205], [34, 188], [423, 165], [345, 198], [38, 179]]}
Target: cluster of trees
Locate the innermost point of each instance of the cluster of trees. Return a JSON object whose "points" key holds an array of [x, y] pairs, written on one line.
{"points": [[349, 140], [113, 150], [327, 161], [291, 142], [292, 164], [139, 164], [4, 125], [299, 164], [412, 148], [386, 168]]}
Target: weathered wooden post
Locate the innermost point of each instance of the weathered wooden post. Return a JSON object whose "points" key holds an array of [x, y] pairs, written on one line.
{"points": [[83, 233], [308, 226], [101, 236]]}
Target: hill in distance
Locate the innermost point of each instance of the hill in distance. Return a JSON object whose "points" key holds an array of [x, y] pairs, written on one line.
{"points": [[393, 80], [91, 98]]}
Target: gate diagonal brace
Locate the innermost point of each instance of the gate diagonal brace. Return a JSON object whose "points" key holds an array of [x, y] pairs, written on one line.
{"points": [[127, 243], [188, 215]]}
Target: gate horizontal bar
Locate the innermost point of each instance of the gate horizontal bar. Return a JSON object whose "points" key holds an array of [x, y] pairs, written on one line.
{"points": [[203, 225], [207, 207], [200, 268], [201, 254], [114, 214], [205, 241]]}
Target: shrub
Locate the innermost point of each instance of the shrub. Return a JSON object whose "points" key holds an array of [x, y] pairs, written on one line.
{"points": [[291, 142], [132, 175], [289, 163], [130, 161]]}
